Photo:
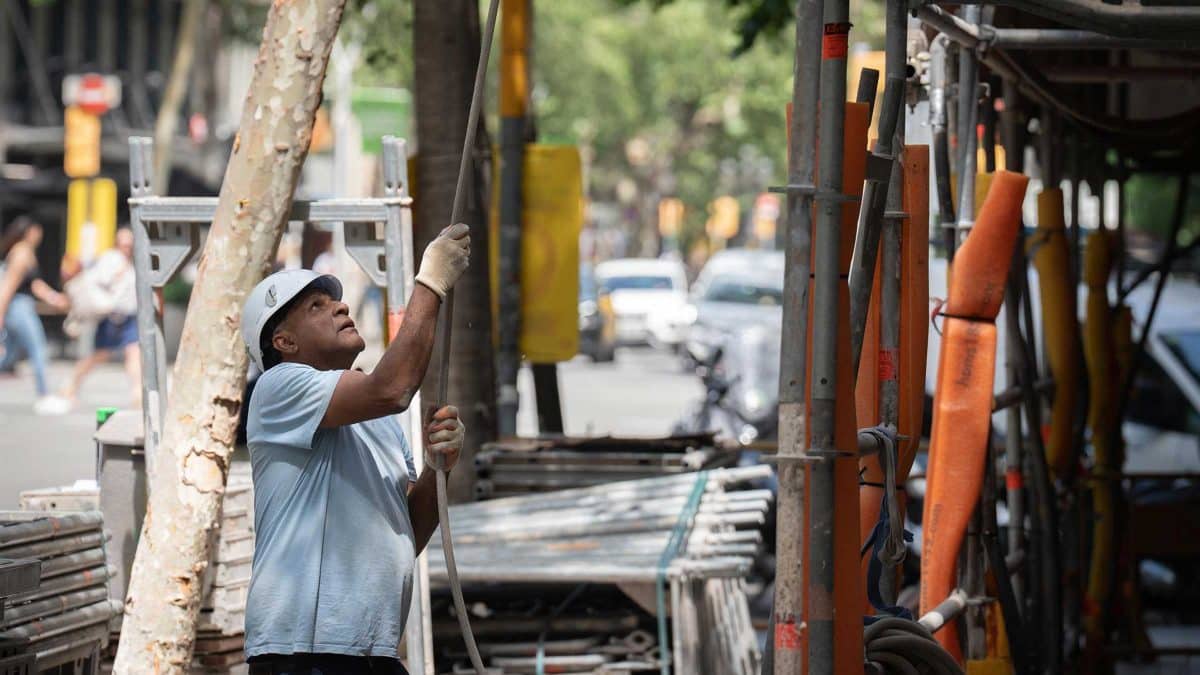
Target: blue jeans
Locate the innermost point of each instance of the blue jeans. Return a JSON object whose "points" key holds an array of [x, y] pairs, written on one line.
{"points": [[24, 336]]}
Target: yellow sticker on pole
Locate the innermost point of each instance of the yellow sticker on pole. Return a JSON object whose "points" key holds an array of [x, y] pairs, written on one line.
{"points": [[551, 219]]}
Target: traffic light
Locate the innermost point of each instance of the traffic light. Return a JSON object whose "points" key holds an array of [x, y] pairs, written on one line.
{"points": [[81, 143], [670, 216], [723, 221]]}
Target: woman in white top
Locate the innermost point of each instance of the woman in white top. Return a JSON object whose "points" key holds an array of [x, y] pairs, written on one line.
{"points": [[117, 331]]}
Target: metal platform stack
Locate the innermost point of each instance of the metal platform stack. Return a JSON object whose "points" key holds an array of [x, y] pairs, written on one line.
{"points": [[526, 466], [220, 634], [678, 547], [64, 621]]}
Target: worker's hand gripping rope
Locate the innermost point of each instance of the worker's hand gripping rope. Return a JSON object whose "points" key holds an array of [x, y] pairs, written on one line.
{"points": [[444, 436], [445, 259]]}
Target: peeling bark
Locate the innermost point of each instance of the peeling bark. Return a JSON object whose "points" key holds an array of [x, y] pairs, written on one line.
{"points": [[187, 487]]}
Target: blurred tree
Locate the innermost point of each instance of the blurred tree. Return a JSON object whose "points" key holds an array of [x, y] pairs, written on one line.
{"points": [[677, 98], [446, 41]]}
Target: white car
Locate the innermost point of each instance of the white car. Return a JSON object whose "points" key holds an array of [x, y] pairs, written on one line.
{"points": [[647, 294]]}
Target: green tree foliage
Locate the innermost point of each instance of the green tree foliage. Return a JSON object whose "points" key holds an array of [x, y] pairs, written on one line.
{"points": [[665, 97]]}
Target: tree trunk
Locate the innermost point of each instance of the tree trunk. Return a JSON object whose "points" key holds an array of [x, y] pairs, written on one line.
{"points": [[168, 111], [188, 483], [446, 39]]}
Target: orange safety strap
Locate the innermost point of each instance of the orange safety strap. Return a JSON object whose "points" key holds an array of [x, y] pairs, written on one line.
{"points": [[963, 400]]}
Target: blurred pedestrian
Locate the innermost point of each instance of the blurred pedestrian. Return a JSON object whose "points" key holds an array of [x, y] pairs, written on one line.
{"points": [[20, 325], [111, 284]]}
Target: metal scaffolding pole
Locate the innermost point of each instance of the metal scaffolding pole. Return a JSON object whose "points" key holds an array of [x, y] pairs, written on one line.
{"points": [[822, 453], [1131, 19], [1049, 38], [968, 114], [513, 103], [939, 62], [896, 54], [784, 654]]}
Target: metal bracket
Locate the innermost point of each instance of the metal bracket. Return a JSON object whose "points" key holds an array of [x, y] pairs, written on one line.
{"points": [[172, 245], [816, 195], [365, 245]]}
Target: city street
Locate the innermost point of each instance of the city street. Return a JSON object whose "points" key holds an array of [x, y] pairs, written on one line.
{"points": [[642, 393]]}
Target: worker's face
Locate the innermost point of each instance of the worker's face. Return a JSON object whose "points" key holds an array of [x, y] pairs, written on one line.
{"points": [[318, 331]]}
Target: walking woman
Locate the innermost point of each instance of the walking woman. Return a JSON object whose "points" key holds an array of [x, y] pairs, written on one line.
{"points": [[20, 325], [113, 276]]}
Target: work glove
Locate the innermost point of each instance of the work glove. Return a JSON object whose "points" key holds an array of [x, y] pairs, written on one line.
{"points": [[444, 436], [445, 259]]}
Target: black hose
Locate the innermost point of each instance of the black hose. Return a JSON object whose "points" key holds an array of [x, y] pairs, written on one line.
{"points": [[916, 650], [905, 647], [945, 197]]}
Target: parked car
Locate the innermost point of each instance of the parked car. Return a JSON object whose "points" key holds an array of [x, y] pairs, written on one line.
{"points": [[735, 290], [597, 327], [641, 288]]}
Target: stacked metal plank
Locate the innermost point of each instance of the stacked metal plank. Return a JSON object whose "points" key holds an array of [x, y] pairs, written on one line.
{"points": [[616, 534], [16, 577], [220, 635], [65, 620], [525, 466]]}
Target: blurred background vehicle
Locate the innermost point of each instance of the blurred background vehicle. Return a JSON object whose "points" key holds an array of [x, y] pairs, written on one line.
{"points": [[735, 290], [640, 288], [597, 325]]}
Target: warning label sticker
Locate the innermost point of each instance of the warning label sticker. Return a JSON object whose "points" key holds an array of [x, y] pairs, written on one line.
{"points": [[834, 42]]}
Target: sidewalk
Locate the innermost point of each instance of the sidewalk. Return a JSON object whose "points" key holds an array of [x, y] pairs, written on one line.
{"points": [[48, 451], [643, 393]]}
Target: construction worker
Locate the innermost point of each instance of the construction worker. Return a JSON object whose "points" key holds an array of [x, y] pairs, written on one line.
{"points": [[339, 513]]}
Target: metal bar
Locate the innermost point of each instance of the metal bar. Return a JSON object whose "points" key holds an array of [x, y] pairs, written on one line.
{"points": [[882, 172], [947, 611], [1168, 255], [868, 85], [149, 333], [822, 453], [1080, 74], [549, 404], [939, 62], [200, 210], [1014, 156], [1045, 515], [1130, 19], [1049, 38], [34, 65], [39, 527], [896, 44], [397, 251], [784, 656], [968, 113], [512, 158]]}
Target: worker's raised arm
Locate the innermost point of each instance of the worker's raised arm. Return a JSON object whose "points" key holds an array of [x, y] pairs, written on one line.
{"points": [[389, 388]]}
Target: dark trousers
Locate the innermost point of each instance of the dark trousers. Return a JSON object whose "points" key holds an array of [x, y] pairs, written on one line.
{"points": [[324, 664]]}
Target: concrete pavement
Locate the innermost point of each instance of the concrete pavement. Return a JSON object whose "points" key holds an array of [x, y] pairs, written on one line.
{"points": [[642, 393]]}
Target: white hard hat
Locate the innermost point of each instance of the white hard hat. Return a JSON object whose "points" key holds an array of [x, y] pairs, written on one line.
{"points": [[271, 295]]}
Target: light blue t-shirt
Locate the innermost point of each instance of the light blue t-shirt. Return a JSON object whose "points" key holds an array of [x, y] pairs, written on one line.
{"points": [[333, 553]]}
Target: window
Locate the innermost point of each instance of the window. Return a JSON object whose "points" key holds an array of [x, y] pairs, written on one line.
{"points": [[638, 283], [743, 292]]}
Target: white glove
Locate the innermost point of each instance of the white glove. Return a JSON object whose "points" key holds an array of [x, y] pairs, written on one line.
{"points": [[445, 259], [444, 436]]}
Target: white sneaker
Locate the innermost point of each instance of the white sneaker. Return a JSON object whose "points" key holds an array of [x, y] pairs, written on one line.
{"points": [[52, 405]]}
